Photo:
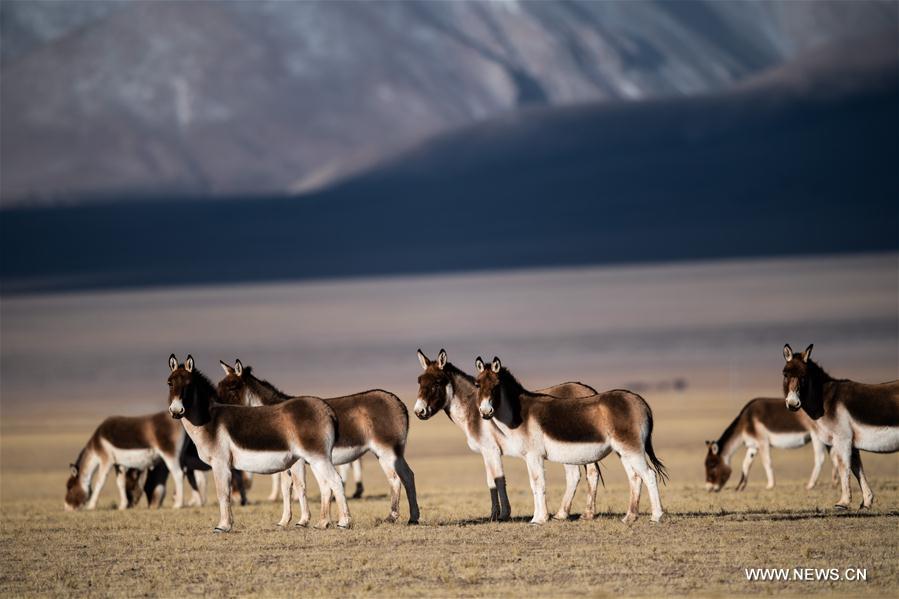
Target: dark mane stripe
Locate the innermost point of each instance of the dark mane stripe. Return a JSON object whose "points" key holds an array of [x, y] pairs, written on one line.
{"points": [[729, 431], [263, 389]]}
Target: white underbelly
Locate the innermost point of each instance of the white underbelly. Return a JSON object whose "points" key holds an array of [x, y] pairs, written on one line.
{"points": [[261, 462], [789, 440], [345, 455], [878, 439], [135, 458], [574, 453]]}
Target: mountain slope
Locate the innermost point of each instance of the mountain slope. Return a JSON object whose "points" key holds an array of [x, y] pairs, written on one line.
{"points": [[210, 98], [801, 160]]}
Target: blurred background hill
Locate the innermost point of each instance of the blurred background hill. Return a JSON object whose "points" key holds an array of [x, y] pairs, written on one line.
{"points": [[120, 99]]}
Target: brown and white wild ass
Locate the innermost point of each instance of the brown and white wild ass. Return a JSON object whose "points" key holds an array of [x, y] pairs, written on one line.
{"points": [[580, 430], [373, 421], [443, 387], [848, 416], [263, 440], [125, 442], [761, 425]]}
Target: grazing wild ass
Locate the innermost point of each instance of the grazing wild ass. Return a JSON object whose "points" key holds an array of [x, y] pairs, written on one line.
{"points": [[444, 387], [761, 425], [375, 421], [136, 442], [848, 416], [263, 440], [579, 430]]}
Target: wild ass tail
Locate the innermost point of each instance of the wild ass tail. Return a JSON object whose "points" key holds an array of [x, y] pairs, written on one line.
{"points": [[654, 461]]}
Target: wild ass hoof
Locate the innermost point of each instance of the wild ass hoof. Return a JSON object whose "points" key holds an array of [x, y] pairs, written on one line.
{"points": [[359, 491], [560, 515], [629, 517], [344, 524], [656, 518], [412, 522], [587, 516], [504, 517], [302, 524], [323, 524], [220, 530], [538, 521], [391, 518], [841, 506]]}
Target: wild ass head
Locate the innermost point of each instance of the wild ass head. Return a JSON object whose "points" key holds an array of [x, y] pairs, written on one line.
{"points": [[434, 386], [77, 492], [488, 384], [796, 376], [716, 471], [233, 388], [190, 392]]}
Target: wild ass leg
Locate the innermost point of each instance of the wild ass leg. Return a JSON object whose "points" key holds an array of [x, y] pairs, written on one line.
{"points": [[408, 477], [592, 471], [387, 461], [491, 486], [537, 476], [357, 476], [102, 473], [297, 474], [240, 483], [496, 482], [200, 482], [820, 454], [284, 478], [193, 482], [747, 464], [222, 474], [842, 453], [572, 478], [636, 484], [859, 472], [765, 454], [640, 464], [122, 484], [329, 483], [174, 466]]}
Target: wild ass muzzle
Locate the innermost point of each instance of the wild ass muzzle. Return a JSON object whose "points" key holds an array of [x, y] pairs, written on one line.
{"points": [[848, 416], [125, 442], [574, 431], [373, 421], [761, 425], [262, 440], [443, 387]]}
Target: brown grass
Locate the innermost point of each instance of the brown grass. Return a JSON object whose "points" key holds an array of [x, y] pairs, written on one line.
{"points": [[702, 547]]}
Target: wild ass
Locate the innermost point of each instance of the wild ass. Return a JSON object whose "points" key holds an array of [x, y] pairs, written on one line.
{"points": [[444, 387], [579, 430], [761, 425], [263, 440], [848, 416], [375, 421], [127, 442]]}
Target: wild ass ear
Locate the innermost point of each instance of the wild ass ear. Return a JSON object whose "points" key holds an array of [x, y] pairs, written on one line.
{"points": [[225, 367], [479, 365], [173, 362], [238, 367], [807, 353], [497, 365], [441, 359], [788, 352], [189, 363], [423, 359]]}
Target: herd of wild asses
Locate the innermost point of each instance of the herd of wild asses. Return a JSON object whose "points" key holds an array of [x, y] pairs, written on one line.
{"points": [[245, 425]]}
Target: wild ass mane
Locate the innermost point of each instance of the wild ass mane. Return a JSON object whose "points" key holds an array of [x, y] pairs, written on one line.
{"points": [[262, 389]]}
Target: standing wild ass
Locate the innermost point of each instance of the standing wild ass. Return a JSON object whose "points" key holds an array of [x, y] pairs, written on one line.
{"points": [[580, 430], [127, 442], [444, 387], [761, 425], [848, 416], [263, 440], [375, 421]]}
